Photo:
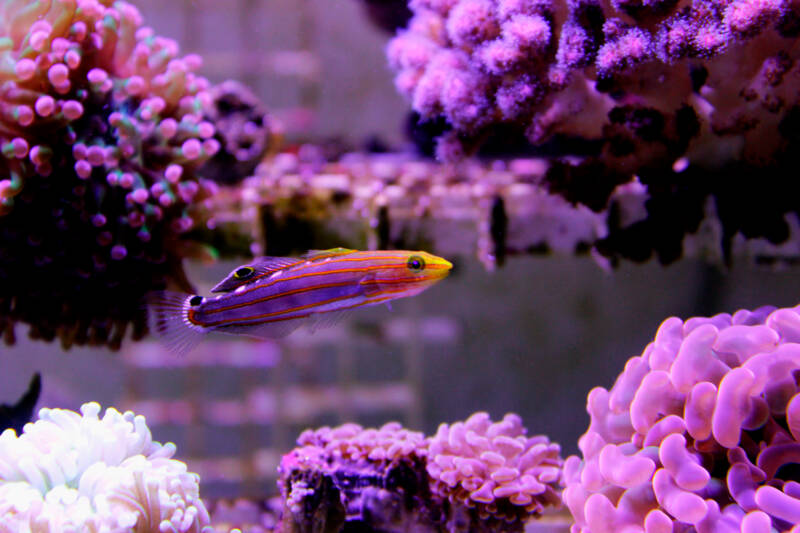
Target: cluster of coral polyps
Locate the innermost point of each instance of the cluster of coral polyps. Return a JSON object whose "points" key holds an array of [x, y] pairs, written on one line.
{"points": [[471, 476], [697, 98], [645, 76], [102, 133], [699, 433], [79, 472]]}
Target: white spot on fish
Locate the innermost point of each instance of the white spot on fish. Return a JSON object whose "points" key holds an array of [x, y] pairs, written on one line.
{"points": [[238, 289]]}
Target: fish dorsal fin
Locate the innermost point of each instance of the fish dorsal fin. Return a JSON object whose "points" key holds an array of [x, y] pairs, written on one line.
{"points": [[313, 255], [258, 268]]}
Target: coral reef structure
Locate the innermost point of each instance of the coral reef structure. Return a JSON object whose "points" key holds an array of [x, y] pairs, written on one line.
{"points": [[17, 415], [471, 476], [102, 133], [244, 130], [79, 472], [697, 99], [388, 15], [658, 72], [494, 468], [699, 433]]}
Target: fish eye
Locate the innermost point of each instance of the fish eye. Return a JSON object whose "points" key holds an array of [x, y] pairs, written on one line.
{"points": [[244, 272], [416, 263], [195, 300]]}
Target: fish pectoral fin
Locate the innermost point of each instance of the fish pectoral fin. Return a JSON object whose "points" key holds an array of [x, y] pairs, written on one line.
{"points": [[328, 319], [331, 252], [370, 285]]}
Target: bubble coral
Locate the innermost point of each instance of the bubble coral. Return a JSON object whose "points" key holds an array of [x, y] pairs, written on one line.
{"points": [[699, 433], [495, 468], [101, 132], [79, 472], [474, 475]]}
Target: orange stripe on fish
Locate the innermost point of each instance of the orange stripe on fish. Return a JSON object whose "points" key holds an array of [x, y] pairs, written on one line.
{"points": [[260, 297]]}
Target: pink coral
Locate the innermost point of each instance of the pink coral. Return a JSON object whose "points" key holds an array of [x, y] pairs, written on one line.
{"points": [[351, 442], [700, 431], [589, 56], [474, 474], [495, 467], [102, 131]]}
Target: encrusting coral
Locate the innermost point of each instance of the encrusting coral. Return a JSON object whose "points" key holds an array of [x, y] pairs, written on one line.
{"points": [[79, 472], [699, 433], [474, 475], [102, 134]]}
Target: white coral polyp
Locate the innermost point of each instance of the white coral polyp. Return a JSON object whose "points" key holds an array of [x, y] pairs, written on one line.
{"points": [[71, 472]]}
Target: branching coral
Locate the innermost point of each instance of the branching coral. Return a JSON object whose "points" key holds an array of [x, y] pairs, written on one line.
{"points": [[699, 433], [658, 70], [102, 133], [697, 99], [474, 475], [79, 472]]}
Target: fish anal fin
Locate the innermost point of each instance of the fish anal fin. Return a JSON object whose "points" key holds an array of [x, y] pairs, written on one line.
{"points": [[328, 319], [312, 255], [269, 330]]}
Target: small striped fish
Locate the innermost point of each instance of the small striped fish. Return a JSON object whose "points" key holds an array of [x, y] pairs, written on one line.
{"points": [[273, 296]]}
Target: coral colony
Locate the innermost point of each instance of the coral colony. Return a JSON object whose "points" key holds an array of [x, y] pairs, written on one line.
{"points": [[581, 67], [471, 476], [696, 98], [101, 132], [79, 472], [699, 433]]}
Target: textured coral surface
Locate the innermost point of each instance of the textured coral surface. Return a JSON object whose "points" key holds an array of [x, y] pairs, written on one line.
{"points": [[73, 471], [699, 433], [696, 98], [647, 76], [474, 475], [101, 132]]}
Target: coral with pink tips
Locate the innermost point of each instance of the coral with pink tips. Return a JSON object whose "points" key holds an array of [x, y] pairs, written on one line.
{"points": [[583, 58], [691, 99], [475, 475], [699, 433], [495, 467], [103, 132]]}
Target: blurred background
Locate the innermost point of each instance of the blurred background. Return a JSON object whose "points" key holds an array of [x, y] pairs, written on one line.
{"points": [[533, 336]]}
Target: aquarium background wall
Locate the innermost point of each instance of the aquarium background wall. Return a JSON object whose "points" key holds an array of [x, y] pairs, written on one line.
{"points": [[532, 337]]}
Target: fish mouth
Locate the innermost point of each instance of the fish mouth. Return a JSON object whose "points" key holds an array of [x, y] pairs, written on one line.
{"points": [[440, 267]]}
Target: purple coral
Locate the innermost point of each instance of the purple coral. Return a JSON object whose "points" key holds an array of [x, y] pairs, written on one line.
{"points": [[345, 474], [494, 467], [602, 50], [102, 134], [699, 433], [474, 475]]}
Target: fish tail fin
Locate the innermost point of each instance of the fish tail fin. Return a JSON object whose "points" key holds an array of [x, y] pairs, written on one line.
{"points": [[168, 319]]}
